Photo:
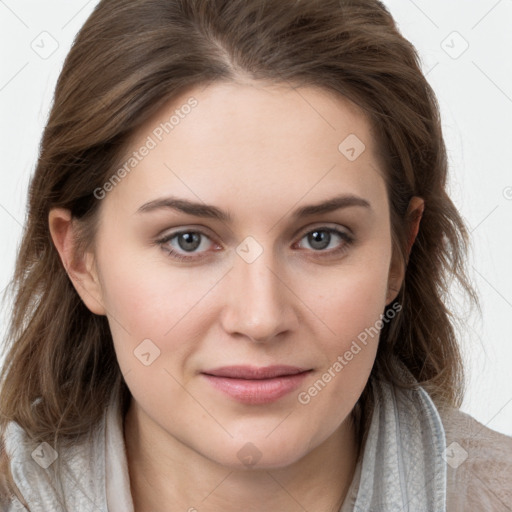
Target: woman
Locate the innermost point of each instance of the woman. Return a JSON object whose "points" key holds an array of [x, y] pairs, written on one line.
{"points": [[299, 355]]}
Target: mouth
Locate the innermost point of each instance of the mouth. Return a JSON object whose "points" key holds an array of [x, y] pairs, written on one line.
{"points": [[252, 385]]}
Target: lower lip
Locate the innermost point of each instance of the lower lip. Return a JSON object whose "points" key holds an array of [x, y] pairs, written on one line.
{"points": [[261, 391]]}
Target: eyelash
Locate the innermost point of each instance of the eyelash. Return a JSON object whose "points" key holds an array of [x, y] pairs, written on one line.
{"points": [[347, 239]]}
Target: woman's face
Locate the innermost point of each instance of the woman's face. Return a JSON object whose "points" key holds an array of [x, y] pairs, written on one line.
{"points": [[261, 282]]}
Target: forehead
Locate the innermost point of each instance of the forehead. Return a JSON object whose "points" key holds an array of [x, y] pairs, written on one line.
{"points": [[256, 112], [252, 140]]}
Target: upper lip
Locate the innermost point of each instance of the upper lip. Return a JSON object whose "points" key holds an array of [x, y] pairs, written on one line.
{"points": [[254, 372]]}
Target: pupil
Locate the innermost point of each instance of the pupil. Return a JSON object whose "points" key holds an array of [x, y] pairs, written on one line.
{"points": [[191, 241], [318, 238]]}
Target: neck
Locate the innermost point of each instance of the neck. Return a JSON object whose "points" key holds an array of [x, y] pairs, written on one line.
{"points": [[165, 471]]}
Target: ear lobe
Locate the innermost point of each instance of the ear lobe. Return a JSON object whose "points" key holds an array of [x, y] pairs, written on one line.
{"points": [[395, 278], [80, 268]]}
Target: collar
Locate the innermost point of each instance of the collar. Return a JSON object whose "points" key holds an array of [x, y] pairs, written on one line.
{"points": [[402, 467]]}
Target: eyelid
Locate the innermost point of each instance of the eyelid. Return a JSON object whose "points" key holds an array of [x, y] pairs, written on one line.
{"points": [[163, 239], [186, 229], [206, 232], [344, 233], [324, 225]]}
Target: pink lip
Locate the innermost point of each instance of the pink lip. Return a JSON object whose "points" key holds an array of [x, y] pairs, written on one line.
{"points": [[252, 385]]}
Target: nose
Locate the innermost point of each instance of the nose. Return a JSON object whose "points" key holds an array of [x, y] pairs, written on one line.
{"points": [[258, 303]]}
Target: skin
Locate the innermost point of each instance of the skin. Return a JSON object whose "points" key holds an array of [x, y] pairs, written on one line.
{"points": [[257, 151]]}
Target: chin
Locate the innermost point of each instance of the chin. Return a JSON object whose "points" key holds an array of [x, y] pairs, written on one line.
{"points": [[259, 454]]}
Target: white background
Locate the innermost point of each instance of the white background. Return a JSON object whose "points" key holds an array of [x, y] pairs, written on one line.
{"points": [[474, 90]]}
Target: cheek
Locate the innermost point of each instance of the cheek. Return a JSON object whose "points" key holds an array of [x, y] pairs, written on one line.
{"points": [[350, 305], [143, 291], [147, 299], [352, 298], [352, 310]]}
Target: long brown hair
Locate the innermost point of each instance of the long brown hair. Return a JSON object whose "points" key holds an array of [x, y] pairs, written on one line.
{"points": [[130, 58]]}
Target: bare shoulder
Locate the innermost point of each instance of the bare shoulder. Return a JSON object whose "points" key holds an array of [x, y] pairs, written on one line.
{"points": [[479, 464]]}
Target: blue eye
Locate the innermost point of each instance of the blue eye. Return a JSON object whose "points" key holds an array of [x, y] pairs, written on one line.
{"points": [[190, 241], [321, 238], [187, 240]]}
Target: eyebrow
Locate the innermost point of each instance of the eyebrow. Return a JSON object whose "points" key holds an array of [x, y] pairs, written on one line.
{"points": [[212, 212]]}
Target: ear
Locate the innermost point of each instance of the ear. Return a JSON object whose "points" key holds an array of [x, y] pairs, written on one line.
{"points": [[414, 215], [82, 269], [397, 270]]}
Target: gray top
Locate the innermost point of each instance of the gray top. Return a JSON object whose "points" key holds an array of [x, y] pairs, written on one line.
{"points": [[405, 466]]}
